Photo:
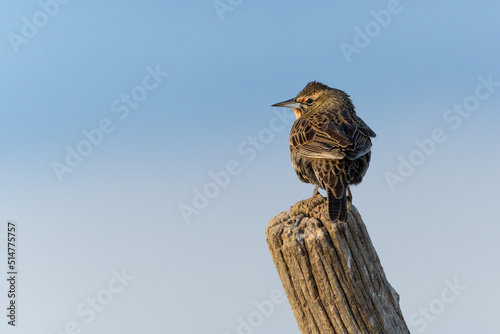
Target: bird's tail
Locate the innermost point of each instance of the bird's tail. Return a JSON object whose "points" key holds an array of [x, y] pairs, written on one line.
{"points": [[337, 207]]}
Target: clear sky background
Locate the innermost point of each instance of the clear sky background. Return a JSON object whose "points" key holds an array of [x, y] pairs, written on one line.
{"points": [[68, 69]]}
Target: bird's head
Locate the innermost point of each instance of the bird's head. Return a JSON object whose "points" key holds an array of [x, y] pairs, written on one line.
{"points": [[309, 99]]}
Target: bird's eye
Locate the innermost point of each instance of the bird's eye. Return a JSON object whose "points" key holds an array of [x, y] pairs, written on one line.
{"points": [[309, 101]]}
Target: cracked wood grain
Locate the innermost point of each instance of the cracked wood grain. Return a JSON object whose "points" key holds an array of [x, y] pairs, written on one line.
{"points": [[331, 272]]}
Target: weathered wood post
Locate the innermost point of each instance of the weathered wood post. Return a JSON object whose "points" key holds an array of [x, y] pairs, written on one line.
{"points": [[331, 272]]}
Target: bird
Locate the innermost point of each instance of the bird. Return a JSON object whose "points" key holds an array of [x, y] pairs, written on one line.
{"points": [[330, 145]]}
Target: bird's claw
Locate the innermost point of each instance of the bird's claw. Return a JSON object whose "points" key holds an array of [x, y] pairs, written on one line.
{"points": [[349, 194], [316, 192]]}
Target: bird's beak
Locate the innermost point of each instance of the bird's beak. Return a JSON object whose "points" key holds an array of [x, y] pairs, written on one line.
{"points": [[288, 104]]}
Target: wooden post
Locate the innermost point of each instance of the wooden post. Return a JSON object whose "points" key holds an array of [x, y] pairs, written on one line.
{"points": [[331, 272]]}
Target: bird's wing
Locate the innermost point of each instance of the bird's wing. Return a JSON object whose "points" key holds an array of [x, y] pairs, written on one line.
{"points": [[364, 129], [318, 137], [361, 143], [359, 134], [318, 140]]}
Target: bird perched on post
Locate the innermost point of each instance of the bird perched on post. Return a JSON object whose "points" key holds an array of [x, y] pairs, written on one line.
{"points": [[330, 145]]}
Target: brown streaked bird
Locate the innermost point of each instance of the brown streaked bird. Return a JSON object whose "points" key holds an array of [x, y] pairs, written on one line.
{"points": [[330, 145]]}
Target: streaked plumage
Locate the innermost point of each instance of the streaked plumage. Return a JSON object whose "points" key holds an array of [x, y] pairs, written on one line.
{"points": [[329, 144]]}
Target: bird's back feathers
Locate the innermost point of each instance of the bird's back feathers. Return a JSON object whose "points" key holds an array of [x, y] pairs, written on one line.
{"points": [[330, 146]]}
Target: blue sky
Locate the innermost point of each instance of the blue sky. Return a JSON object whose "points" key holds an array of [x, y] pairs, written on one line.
{"points": [[216, 75]]}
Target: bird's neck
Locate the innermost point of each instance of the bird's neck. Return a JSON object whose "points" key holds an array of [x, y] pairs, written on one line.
{"points": [[297, 112]]}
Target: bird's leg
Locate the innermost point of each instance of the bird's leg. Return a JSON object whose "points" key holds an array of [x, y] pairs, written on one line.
{"points": [[316, 192], [349, 194]]}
